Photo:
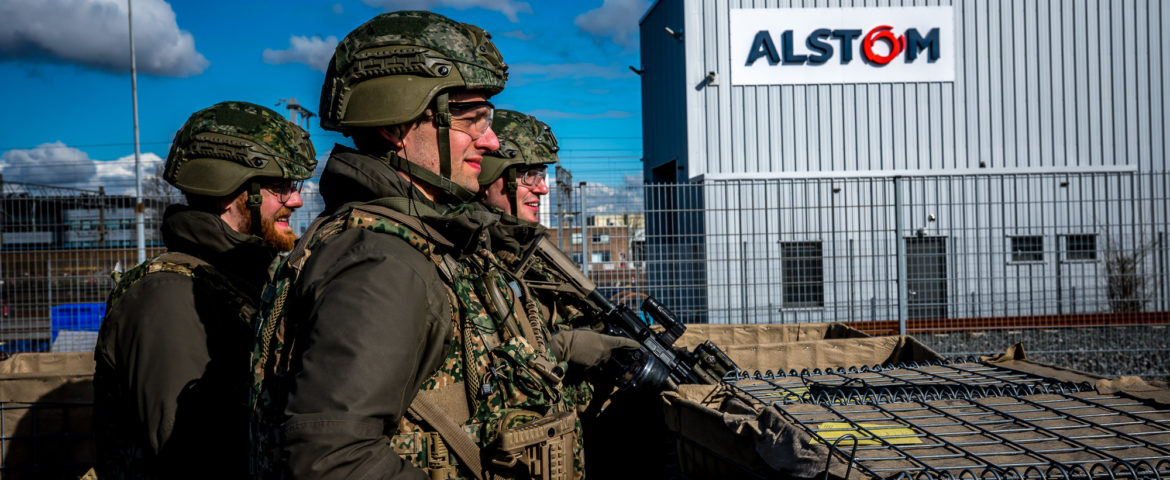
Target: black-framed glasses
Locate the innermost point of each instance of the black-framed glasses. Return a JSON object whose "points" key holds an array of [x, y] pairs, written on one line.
{"points": [[533, 177], [472, 118], [285, 189]]}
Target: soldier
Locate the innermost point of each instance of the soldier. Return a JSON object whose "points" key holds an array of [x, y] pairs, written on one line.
{"points": [[392, 345], [174, 345], [512, 182]]}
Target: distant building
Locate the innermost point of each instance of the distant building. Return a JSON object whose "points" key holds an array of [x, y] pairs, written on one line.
{"points": [[609, 250], [60, 246]]}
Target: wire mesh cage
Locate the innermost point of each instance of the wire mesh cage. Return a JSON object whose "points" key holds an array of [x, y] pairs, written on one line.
{"points": [[958, 419]]}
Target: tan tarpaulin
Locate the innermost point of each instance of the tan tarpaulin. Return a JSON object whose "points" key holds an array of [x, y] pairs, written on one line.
{"points": [[48, 363], [822, 354], [46, 400], [764, 334], [1015, 359]]}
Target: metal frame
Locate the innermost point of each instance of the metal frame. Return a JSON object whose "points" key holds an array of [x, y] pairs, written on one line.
{"points": [[969, 420], [39, 445]]}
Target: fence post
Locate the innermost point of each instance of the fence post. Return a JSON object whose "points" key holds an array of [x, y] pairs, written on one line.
{"points": [[901, 249], [584, 232]]}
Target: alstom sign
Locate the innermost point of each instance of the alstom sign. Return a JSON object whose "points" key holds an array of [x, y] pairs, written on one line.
{"points": [[798, 46]]}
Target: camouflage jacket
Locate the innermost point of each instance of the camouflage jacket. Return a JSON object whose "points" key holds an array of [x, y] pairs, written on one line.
{"points": [[172, 354], [511, 238], [381, 310]]}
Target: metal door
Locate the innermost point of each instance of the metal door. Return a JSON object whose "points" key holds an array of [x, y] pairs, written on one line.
{"points": [[926, 277]]}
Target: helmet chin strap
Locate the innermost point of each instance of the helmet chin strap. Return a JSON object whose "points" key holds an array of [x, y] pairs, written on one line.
{"points": [[255, 199], [443, 124], [512, 188], [442, 181]]}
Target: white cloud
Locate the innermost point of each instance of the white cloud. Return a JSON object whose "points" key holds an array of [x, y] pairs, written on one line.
{"points": [[60, 165], [616, 20], [94, 33], [508, 8], [338, 9], [47, 164], [313, 52], [537, 71], [117, 176], [603, 199]]}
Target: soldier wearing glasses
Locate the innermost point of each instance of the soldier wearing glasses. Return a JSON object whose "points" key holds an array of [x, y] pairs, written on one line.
{"points": [[392, 343], [513, 181], [173, 349]]}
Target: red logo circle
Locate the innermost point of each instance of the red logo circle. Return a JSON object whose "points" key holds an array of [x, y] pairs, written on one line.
{"points": [[897, 44]]}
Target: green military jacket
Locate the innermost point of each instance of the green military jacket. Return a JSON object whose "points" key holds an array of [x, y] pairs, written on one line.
{"points": [[172, 355], [382, 311]]}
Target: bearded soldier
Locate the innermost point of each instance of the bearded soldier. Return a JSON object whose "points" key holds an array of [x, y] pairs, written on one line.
{"points": [[173, 350], [513, 181], [392, 344]]}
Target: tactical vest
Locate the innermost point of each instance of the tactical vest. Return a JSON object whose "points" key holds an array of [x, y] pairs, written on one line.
{"points": [[558, 309], [127, 452], [498, 388], [188, 266]]}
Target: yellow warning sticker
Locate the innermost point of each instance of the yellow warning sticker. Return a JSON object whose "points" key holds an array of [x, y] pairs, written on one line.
{"points": [[866, 434], [794, 394]]}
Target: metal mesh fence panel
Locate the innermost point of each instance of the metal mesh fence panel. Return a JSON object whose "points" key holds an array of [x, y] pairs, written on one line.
{"points": [[1072, 265]]}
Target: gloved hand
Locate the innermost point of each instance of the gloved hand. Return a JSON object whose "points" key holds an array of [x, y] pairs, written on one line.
{"points": [[586, 347]]}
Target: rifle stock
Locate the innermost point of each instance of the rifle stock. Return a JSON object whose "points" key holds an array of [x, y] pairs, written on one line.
{"points": [[657, 364]]}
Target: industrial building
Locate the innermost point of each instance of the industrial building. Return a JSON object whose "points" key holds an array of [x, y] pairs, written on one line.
{"points": [[1005, 158]]}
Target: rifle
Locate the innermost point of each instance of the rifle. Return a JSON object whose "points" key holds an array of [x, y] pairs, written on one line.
{"points": [[658, 365]]}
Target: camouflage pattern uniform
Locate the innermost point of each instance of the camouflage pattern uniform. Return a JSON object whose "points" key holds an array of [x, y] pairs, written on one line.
{"points": [[394, 293], [527, 142], [173, 347]]}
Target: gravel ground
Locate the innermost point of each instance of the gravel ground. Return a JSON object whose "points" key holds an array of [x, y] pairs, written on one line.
{"points": [[1110, 351]]}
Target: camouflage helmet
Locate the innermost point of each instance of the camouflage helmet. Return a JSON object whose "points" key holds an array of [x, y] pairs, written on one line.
{"points": [[223, 146], [390, 69], [524, 140]]}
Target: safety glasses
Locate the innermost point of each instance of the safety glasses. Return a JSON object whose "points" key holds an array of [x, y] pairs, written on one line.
{"points": [[472, 118], [285, 189]]}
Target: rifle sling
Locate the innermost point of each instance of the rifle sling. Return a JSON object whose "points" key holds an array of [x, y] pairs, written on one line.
{"points": [[426, 406]]}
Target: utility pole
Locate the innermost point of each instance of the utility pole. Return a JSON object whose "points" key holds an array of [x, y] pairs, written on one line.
{"points": [[139, 207], [564, 199]]}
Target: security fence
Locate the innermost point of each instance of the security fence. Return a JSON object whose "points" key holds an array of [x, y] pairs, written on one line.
{"points": [[1072, 264]]}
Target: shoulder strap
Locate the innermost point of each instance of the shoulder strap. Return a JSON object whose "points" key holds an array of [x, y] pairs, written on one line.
{"points": [[426, 406], [170, 262], [414, 223]]}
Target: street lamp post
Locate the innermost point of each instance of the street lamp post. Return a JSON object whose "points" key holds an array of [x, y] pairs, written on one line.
{"points": [[139, 208]]}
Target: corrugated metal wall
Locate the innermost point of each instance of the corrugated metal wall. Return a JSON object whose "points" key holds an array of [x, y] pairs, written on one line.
{"points": [[1043, 87], [1039, 83]]}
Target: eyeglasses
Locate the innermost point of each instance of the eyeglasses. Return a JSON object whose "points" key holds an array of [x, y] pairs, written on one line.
{"points": [[284, 189], [472, 118], [533, 177]]}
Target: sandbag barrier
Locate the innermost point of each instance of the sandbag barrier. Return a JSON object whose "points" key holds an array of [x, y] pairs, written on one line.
{"points": [[968, 420]]}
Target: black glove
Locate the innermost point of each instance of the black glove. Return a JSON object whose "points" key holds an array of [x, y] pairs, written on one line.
{"points": [[586, 347]]}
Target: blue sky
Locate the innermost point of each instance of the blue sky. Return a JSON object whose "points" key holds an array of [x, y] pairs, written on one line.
{"points": [[65, 66]]}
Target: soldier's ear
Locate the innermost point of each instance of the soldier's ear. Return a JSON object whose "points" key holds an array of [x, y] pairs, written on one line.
{"points": [[393, 135]]}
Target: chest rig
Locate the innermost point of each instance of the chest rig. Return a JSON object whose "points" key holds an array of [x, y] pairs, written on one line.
{"points": [[495, 396]]}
